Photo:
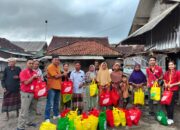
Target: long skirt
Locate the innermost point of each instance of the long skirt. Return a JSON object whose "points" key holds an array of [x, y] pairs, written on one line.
{"points": [[11, 101], [77, 102]]}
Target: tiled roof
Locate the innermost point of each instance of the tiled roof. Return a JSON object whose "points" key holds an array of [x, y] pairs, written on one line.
{"points": [[7, 45], [85, 48], [59, 42]]}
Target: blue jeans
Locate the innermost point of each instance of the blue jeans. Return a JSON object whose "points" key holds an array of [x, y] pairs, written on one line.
{"points": [[53, 99]]}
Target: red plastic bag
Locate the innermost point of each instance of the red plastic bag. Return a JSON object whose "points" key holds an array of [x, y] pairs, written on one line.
{"points": [[105, 98], [166, 98], [128, 118], [40, 90], [94, 112], [65, 112], [114, 97], [84, 115], [110, 118], [67, 87], [135, 115]]}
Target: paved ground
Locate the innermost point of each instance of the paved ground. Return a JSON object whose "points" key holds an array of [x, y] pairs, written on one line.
{"points": [[145, 123]]}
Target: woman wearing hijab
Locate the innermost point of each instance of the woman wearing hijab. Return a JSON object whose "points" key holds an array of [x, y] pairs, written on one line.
{"points": [[137, 78], [90, 101], [103, 77]]}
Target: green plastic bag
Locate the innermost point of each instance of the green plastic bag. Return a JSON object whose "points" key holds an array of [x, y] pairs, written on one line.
{"points": [[102, 121], [162, 118], [62, 123], [71, 125]]}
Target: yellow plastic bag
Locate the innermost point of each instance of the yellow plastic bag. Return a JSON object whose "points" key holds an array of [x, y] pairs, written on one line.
{"points": [[78, 123], [119, 117], [93, 122], [116, 116], [93, 88], [155, 92], [47, 126], [72, 114], [122, 118], [139, 97]]}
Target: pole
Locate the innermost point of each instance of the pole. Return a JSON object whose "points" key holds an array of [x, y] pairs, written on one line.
{"points": [[46, 22]]}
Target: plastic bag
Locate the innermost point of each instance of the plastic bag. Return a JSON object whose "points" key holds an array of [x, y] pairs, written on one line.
{"points": [[110, 118], [94, 112], [72, 114], [162, 118], [122, 117], [93, 89], [67, 87], [128, 118], [139, 97], [78, 123], [102, 121], [71, 125], [166, 98], [66, 97], [47, 126], [155, 92], [116, 116], [94, 122], [135, 115], [105, 98], [65, 112], [40, 90], [62, 123], [114, 97]]}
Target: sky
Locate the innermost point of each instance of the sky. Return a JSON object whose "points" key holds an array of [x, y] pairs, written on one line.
{"points": [[25, 19]]}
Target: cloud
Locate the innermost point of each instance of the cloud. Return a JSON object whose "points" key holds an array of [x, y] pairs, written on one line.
{"points": [[24, 19]]}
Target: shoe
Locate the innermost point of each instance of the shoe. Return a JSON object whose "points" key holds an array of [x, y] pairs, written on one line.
{"points": [[170, 121], [47, 120], [20, 129], [32, 124], [56, 117], [151, 113]]}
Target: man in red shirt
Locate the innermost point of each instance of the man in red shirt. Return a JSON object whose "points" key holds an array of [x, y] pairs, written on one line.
{"points": [[27, 78], [154, 73]]}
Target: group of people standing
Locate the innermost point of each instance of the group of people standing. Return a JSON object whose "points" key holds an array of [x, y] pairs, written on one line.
{"points": [[18, 87]]}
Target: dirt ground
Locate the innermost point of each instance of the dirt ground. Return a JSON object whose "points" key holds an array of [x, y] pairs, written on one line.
{"points": [[146, 123]]}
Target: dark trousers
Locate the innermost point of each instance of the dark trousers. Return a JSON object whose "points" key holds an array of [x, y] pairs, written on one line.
{"points": [[170, 108], [154, 106]]}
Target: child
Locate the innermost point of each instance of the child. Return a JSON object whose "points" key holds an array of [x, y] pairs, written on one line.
{"points": [[124, 90]]}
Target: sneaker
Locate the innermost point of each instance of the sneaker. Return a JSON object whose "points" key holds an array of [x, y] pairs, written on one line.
{"points": [[56, 117], [47, 120], [32, 124], [170, 121]]}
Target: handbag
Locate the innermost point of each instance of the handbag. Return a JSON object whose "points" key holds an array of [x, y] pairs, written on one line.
{"points": [[67, 87], [110, 118], [93, 88], [139, 97], [40, 90], [105, 98], [114, 97], [155, 92], [167, 97]]}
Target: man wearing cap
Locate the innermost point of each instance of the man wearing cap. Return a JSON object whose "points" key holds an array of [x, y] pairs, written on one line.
{"points": [[10, 83]]}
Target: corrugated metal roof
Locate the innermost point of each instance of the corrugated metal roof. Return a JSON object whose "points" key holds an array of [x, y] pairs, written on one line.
{"points": [[74, 57], [151, 24], [30, 46]]}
